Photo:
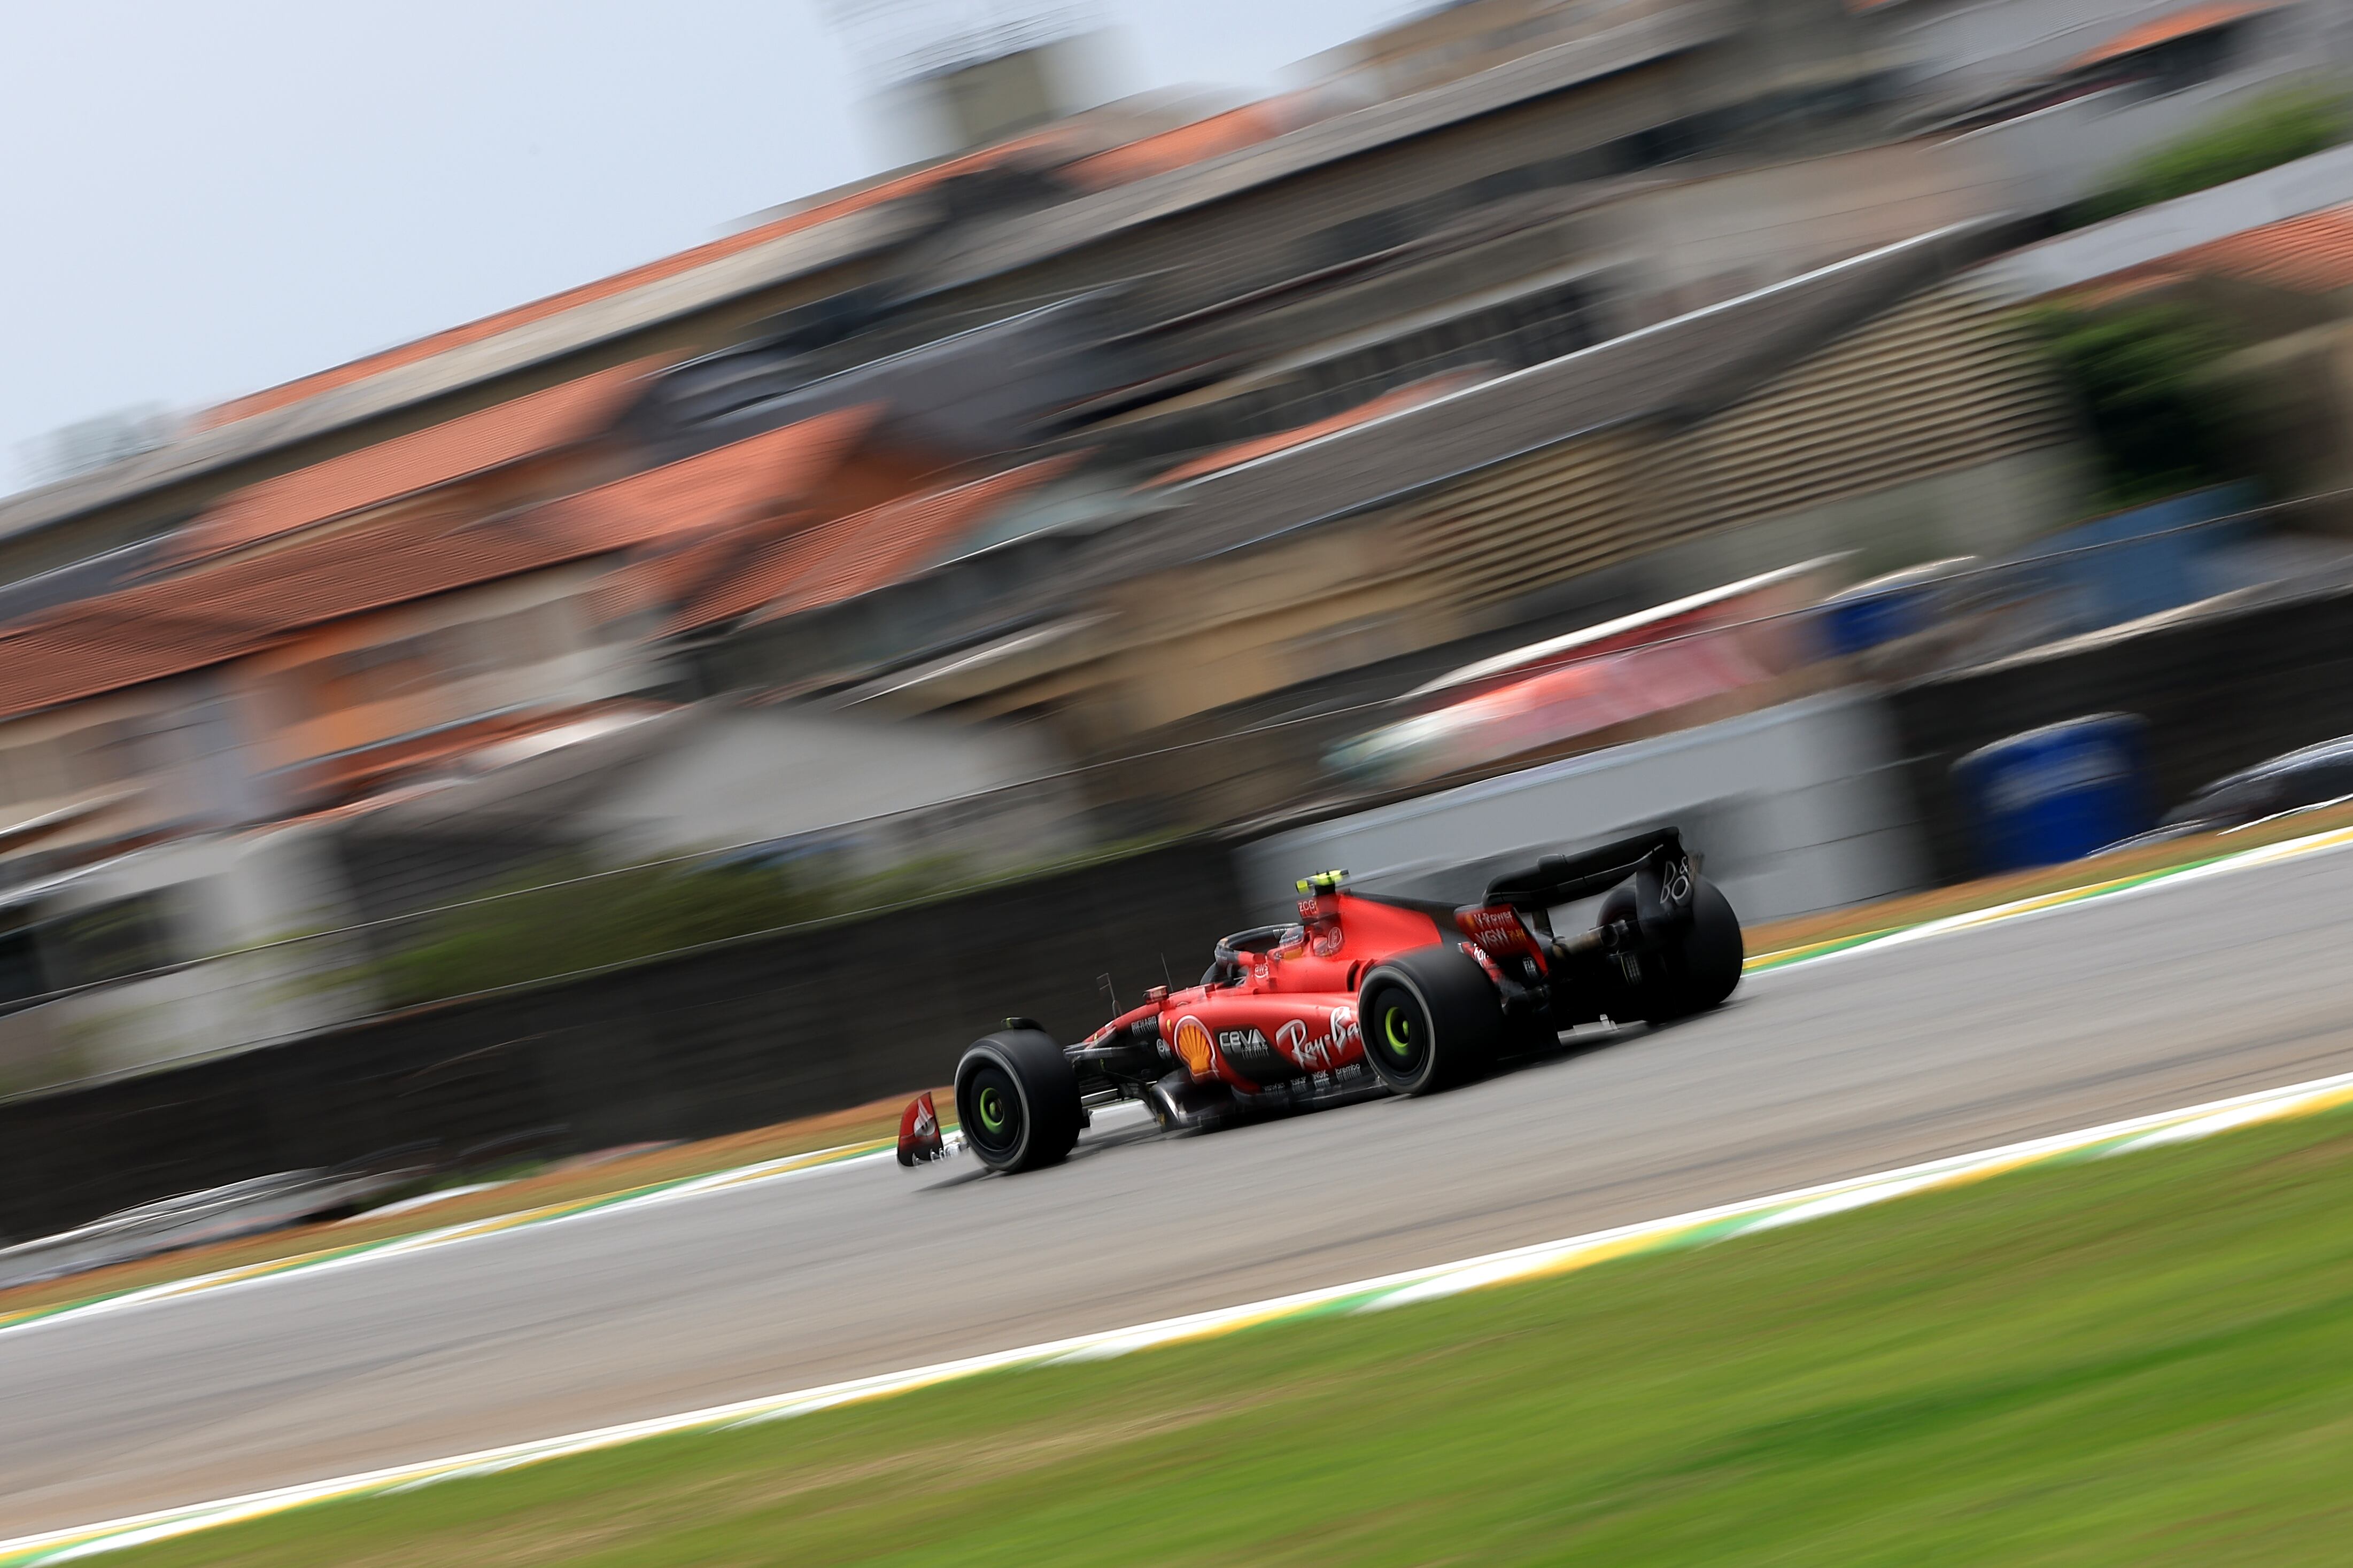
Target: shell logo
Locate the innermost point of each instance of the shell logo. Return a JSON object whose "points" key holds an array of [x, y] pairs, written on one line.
{"points": [[1195, 1046]]}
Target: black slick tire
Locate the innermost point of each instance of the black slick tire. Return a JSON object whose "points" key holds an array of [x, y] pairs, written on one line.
{"points": [[1432, 1019], [1017, 1100], [1712, 951], [1700, 969]]}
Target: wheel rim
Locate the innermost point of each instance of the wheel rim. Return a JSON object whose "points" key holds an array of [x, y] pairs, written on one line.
{"points": [[994, 1117], [1402, 1033], [1397, 1031]]}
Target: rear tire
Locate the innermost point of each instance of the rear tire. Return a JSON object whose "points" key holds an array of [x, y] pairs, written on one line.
{"points": [[1712, 951], [1694, 974], [1431, 1018], [1017, 1100]]}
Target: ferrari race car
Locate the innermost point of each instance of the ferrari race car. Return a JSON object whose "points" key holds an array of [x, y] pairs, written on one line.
{"points": [[1363, 995]]}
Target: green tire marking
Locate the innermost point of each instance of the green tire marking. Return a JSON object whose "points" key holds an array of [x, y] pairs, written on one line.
{"points": [[1393, 1034]]}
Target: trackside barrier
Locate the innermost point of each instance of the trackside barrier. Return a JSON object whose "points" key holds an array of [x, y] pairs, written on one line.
{"points": [[719, 1039]]}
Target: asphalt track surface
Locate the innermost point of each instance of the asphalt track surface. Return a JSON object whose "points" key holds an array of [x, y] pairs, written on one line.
{"points": [[2186, 993]]}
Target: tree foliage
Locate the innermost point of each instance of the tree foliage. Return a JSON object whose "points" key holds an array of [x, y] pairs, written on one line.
{"points": [[2275, 129], [2143, 378]]}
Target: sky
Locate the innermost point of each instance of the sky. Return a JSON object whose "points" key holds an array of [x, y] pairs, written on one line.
{"points": [[198, 201]]}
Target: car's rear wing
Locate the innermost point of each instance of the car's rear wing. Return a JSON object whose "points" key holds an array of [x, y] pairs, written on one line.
{"points": [[1656, 861]]}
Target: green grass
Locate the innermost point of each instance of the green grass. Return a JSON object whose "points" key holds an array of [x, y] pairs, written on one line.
{"points": [[2142, 1360]]}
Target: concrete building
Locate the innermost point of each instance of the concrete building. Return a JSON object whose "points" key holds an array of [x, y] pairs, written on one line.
{"points": [[289, 660], [1212, 213], [225, 939], [1107, 439], [2062, 95], [1876, 407]]}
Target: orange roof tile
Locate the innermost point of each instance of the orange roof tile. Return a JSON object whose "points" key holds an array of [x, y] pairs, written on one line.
{"points": [[2310, 254], [681, 570], [243, 606], [148, 633], [440, 454], [853, 554], [2164, 30], [719, 487], [1388, 402]]}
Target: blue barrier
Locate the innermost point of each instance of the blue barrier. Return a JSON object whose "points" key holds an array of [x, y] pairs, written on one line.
{"points": [[2057, 792]]}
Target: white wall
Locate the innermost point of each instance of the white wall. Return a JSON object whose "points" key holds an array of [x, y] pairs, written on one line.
{"points": [[216, 894], [761, 774], [1796, 808]]}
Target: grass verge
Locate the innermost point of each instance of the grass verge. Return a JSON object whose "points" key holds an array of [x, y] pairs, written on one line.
{"points": [[2138, 1360]]}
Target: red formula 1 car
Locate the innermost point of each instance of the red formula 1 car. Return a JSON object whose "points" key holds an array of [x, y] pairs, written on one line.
{"points": [[1363, 995]]}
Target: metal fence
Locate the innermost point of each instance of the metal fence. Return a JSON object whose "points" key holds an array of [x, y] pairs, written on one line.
{"points": [[713, 1039]]}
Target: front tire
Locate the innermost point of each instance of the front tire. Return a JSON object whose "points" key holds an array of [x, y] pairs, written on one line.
{"points": [[1017, 1100], [1431, 1018]]}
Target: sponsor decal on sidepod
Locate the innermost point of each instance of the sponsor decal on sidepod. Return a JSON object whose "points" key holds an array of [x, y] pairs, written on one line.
{"points": [[1323, 1052], [1194, 1046]]}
